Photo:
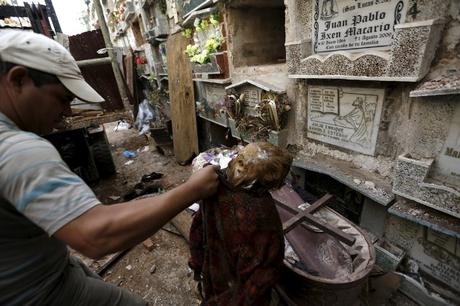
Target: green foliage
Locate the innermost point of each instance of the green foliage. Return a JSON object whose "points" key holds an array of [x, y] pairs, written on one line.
{"points": [[187, 33]]}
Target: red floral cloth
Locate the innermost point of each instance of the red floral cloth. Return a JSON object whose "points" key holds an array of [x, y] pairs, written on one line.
{"points": [[237, 247]]}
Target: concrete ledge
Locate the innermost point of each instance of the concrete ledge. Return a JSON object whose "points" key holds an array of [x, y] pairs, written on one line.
{"points": [[420, 214], [411, 181], [342, 172]]}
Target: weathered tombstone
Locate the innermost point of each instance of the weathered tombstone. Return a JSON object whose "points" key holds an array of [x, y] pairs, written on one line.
{"points": [[344, 116], [210, 104], [361, 40]]}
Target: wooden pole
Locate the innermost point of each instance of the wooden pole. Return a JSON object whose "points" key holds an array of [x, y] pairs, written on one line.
{"points": [[52, 14], [113, 58]]}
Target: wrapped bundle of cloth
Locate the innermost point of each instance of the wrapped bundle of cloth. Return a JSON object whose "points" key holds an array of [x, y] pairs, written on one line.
{"points": [[236, 238]]}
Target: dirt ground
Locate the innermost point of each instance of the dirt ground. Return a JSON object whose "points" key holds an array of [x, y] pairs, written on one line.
{"points": [[161, 276]]}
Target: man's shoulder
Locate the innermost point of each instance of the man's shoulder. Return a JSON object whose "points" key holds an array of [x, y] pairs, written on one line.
{"points": [[13, 140], [20, 150]]}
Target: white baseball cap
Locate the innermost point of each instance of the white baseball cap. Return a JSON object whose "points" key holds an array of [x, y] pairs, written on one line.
{"points": [[39, 52]]}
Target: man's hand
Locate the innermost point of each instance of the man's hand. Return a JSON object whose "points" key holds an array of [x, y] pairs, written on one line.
{"points": [[204, 182]]}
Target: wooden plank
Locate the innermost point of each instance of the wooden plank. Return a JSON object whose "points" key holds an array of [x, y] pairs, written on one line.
{"points": [[84, 122], [129, 72], [185, 136]]}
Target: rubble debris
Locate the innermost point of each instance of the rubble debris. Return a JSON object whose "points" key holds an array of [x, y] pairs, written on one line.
{"points": [[144, 149], [148, 244], [122, 125], [369, 184]]}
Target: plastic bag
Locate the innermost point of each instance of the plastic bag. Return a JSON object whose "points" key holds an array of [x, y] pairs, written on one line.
{"points": [[145, 116]]}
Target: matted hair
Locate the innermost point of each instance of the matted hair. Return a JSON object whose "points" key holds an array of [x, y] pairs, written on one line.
{"points": [[261, 163], [39, 78]]}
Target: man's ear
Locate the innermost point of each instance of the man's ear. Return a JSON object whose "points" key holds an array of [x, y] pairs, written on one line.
{"points": [[17, 77]]}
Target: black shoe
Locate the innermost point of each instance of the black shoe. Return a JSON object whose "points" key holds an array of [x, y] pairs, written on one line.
{"points": [[151, 177]]}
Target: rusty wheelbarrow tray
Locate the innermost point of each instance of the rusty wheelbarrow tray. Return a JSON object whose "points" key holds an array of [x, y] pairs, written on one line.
{"points": [[328, 258]]}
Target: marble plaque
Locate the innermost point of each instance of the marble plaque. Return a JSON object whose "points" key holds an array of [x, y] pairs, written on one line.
{"points": [[214, 96], [252, 97], [441, 240], [448, 162], [356, 24], [437, 262], [427, 249], [344, 116]]}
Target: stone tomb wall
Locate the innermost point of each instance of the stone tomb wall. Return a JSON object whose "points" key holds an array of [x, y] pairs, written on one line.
{"points": [[387, 40], [256, 32], [436, 254]]}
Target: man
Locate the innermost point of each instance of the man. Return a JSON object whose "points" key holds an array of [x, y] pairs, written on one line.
{"points": [[43, 205]]}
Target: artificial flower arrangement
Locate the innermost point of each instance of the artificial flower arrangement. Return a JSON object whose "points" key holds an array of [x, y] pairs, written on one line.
{"points": [[207, 38], [116, 16]]}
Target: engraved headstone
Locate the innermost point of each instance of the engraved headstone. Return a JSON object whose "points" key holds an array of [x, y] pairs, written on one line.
{"points": [[214, 96], [448, 162], [252, 98], [344, 116], [441, 240], [356, 24], [432, 251]]}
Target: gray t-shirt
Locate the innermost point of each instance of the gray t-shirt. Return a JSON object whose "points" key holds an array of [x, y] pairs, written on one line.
{"points": [[38, 195]]}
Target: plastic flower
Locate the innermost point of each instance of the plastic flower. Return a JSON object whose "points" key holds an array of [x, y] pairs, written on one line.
{"points": [[214, 19], [212, 44], [191, 50], [187, 33], [204, 24]]}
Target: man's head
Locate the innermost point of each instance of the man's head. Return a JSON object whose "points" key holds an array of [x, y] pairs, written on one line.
{"points": [[38, 80]]}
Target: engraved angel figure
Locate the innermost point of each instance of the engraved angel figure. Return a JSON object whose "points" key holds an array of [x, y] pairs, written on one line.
{"points": [[329, 9], [361, 118]]}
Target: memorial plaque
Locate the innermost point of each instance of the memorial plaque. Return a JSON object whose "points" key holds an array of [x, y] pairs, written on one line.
{"points": [[448, 162], [441, 240], [436, 261], [212, 103], [356, 24], [344, 116], [252, 97]]}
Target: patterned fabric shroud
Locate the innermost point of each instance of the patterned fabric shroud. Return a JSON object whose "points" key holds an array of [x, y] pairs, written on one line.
{"points": [[237, 247]]}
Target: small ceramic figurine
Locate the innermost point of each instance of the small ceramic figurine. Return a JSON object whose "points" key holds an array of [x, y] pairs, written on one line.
{"points": [[236, 239]]}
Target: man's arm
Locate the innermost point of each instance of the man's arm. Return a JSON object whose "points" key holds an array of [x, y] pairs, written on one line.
{"points": [[106, 229]]}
